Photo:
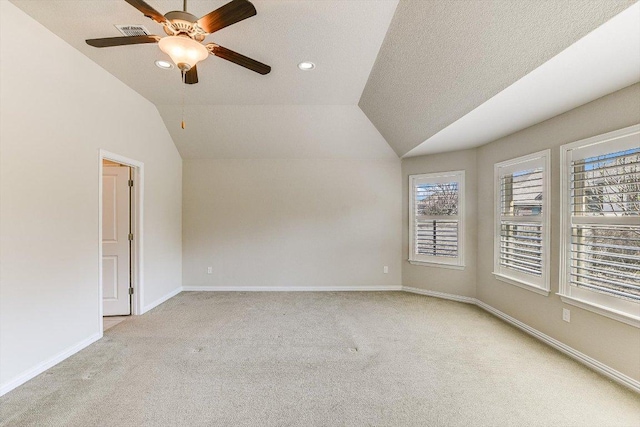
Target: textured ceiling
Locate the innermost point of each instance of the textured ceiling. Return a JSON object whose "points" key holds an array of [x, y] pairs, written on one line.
{"points": [[341, 37], [275, 132], [233, 112], [441, 58], [604, 61]]}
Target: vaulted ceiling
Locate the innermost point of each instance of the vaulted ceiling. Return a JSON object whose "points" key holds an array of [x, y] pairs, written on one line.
{"points": [[389, 75], [442, 59]]}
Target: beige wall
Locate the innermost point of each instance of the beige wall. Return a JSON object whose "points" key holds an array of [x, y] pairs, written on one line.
{"points": [[458, 282], [279, 223], [58, 108], [291, 223], [611, 342]]}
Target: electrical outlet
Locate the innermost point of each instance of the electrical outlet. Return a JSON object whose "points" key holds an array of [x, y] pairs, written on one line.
{"points": [[566, 315], [209, 270], [386, 269]]}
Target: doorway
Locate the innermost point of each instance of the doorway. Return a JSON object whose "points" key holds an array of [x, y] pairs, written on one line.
{"points": [[117, 237], [120, 238]]}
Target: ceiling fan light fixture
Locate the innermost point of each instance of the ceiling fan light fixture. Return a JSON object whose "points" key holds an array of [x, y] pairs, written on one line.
{"points": [[184, 52], [306, 66], [165, 65], [185, 34]]}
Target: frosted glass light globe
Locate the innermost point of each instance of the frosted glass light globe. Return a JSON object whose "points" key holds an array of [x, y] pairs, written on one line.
{"points": [[184, 52]]}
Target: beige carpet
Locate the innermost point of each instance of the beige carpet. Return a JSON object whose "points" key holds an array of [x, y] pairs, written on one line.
{"points": [[318, 359]]}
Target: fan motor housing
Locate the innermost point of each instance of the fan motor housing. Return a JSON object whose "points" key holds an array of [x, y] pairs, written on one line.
{"points": [[183, 23]]}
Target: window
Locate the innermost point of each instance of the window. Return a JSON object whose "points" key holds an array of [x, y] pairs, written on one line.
{"points": [[436, 212], [521, 240], [600, 269]]}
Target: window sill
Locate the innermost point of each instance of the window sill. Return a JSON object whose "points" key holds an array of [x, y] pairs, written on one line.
{"points": [[602, 310], [521, 284], [435, 264]]}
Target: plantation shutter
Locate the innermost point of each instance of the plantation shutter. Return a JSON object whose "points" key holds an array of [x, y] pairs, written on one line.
{"points": [[436, 218], [521, 243], [521, 239], [436, 226], [605, 222]]}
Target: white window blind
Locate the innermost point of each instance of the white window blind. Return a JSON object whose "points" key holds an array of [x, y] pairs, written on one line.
{"points": [[601, 224], [605, 256], [436, 218], [521, 242]]}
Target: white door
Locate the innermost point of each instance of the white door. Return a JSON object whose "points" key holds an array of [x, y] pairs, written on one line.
{"points": [[116, 249]]}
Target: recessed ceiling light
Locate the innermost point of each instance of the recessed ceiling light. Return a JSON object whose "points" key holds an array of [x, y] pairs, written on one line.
{"points": [[306, 66], [165, 65]]}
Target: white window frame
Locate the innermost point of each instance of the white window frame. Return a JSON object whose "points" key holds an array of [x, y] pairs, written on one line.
{"points": [[433, 178], [540, 285], [616, 308]]}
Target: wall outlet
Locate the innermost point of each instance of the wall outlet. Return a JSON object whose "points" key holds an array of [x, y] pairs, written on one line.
{"points": [[566, 315], [386, 269], [209, 270]]}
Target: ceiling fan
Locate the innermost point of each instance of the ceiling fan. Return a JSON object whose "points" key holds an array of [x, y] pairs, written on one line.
{"points": [[185, 34]]}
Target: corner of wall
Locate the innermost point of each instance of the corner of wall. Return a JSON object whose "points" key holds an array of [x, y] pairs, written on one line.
{"points": [[437, 279]]}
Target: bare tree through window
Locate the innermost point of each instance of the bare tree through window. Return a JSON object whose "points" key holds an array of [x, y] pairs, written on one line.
{"points": [[437, 236], [606, 256]]}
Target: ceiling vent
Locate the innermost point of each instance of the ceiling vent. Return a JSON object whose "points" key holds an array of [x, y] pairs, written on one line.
{"points": [[132, 30]]}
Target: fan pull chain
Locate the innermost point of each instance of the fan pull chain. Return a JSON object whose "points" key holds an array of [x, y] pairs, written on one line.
{"points": [[184, 86]]}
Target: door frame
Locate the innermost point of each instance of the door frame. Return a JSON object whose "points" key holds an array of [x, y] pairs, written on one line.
{"points": [[137, 211]]}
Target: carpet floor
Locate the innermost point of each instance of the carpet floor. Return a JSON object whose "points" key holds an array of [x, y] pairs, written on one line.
{"points": [[318, 359]]}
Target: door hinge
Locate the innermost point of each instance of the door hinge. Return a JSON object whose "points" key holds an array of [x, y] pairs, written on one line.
{"points": [[130, 236], [130, 291], [130, 183]]}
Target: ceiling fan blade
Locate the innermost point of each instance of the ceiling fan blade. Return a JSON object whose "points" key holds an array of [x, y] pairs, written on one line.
{"points": [[122, 41], [236, 58], [147, 10], [191, 77], [230, 13]]}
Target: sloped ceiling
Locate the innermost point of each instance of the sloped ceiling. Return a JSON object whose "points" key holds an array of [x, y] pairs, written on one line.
{"points": [[390, 76], [275, 132], [604, 61], [226, 112], [441, 59]]}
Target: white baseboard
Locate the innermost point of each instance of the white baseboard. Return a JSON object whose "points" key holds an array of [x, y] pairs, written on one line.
{"points": [[289, 288], [592, 363], [459, 298], [37, 370], [162, 299]]}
